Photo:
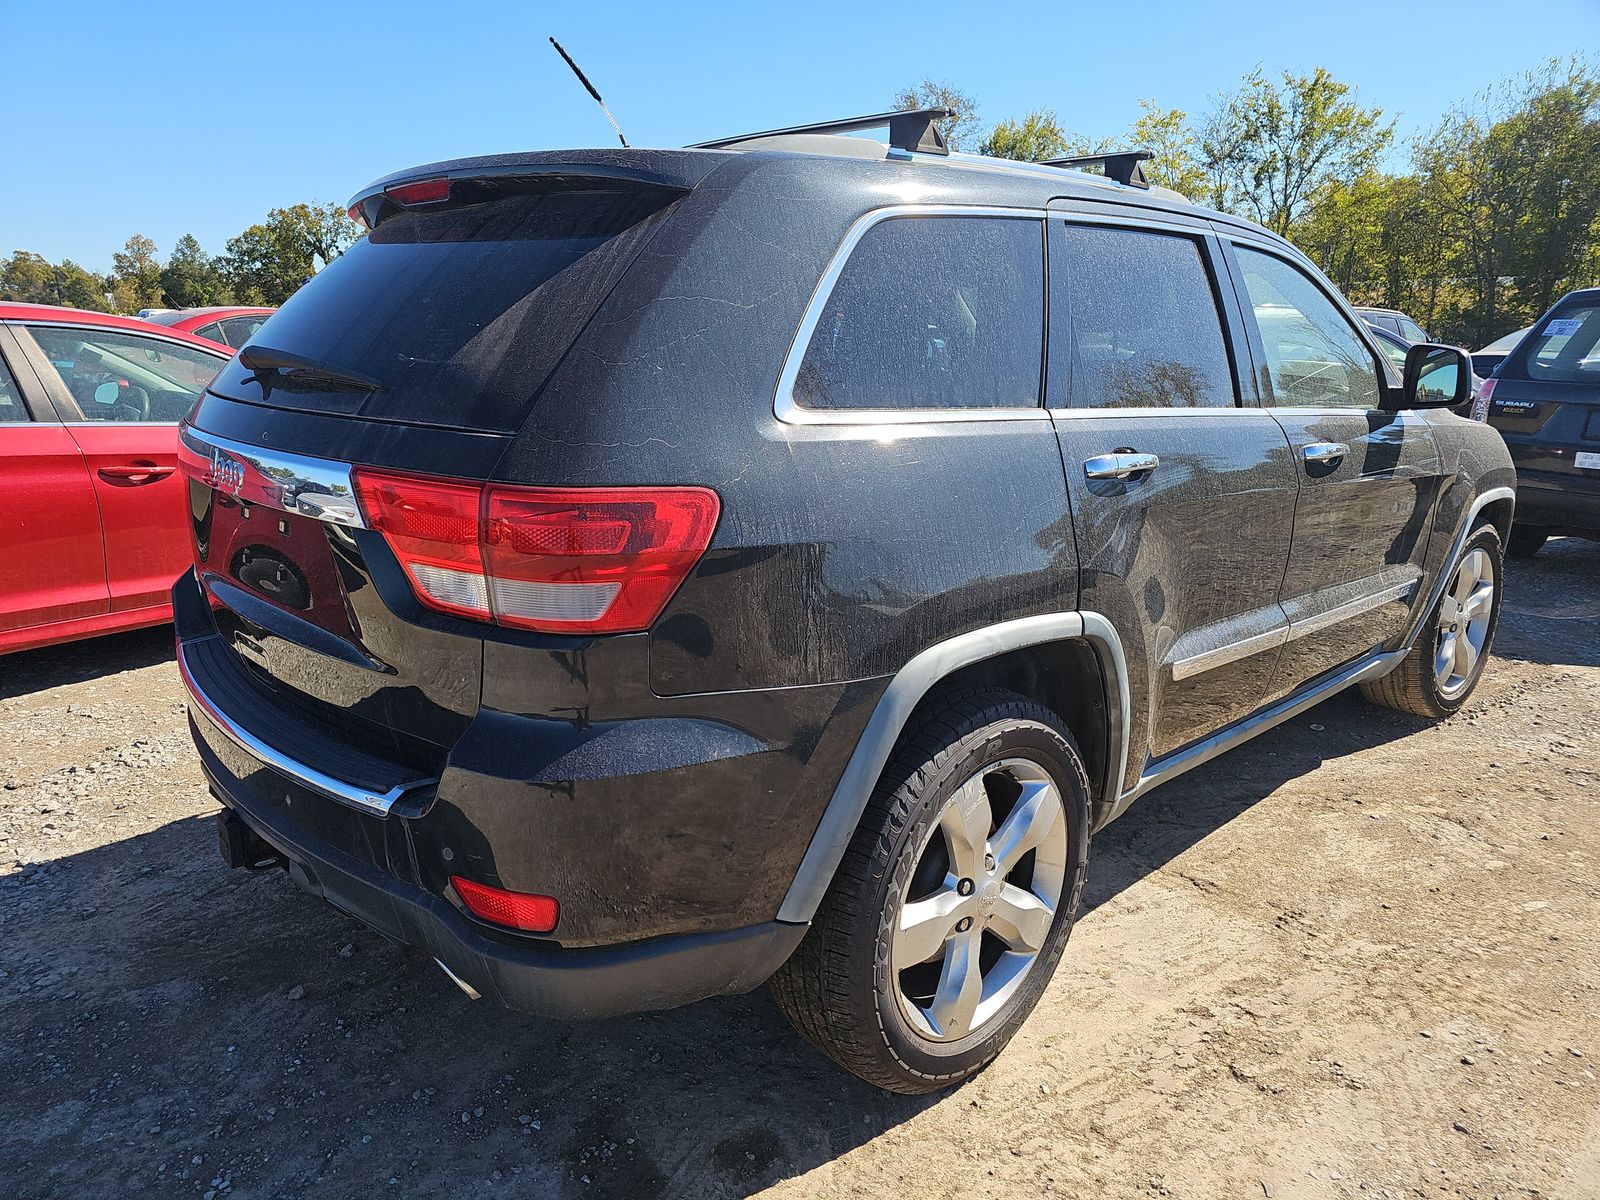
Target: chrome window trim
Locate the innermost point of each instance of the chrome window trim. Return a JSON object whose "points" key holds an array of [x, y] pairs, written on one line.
{"points": [[292, 483], [373, 803], [788, 410]]}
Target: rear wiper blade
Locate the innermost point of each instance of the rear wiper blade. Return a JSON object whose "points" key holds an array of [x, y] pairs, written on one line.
{"points": [[264, 358]]}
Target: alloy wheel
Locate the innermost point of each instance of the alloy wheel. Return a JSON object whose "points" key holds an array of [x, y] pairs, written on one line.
{"points": [[1464, 613], [981, 900]]}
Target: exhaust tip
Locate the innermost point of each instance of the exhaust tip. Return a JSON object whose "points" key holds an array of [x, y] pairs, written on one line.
{"points": [[472, 992]]}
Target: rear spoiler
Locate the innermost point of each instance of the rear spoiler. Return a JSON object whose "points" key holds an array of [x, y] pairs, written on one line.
{"points": [[671, 173]]}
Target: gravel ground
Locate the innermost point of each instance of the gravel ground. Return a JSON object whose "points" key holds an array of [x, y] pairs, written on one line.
{"points": [[1353, 958]]}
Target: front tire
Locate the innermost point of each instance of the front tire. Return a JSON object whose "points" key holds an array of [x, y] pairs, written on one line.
{"points": [[1443, 668], [952, 905]]}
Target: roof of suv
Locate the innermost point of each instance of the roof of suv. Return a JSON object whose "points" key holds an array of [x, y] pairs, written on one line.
{"points": [[956, 178]]}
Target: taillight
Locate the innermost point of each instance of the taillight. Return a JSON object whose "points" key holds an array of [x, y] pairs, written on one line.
{"points": [[1480, 403], [557, 560], [515, 910]]}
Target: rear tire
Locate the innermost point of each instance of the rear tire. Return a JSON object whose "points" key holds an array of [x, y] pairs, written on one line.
{"points": [[954, 901], [1448, 658], [1526, 541]]}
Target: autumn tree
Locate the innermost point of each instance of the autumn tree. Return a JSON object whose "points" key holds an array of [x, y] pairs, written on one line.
{"points": [[267, 262]]}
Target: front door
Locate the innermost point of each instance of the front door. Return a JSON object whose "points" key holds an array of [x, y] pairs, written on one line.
{"points": [[51, 569], [130, 390], [1369, 478], [1182, 499]]}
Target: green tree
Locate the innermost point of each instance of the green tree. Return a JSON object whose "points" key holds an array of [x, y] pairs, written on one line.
{"points": [[1269, 148], [267, 262], [1169, 136], [192, 278], [960, 130], [1037, 136], [136, 276], [33, 279], [24, 277]]}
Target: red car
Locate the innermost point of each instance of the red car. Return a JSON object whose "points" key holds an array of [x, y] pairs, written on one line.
{"points": [[94, 530], [224, 325]]}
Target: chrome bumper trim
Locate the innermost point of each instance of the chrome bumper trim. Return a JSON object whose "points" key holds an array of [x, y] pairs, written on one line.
{"points": [[371, 803]]}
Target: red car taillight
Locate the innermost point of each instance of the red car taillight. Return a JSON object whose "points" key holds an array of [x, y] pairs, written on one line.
{"points": [[558, 560]]}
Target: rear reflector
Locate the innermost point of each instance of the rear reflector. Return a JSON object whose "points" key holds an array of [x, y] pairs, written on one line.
{"points": [[557, 560], [1480, 406], [514, 910]]}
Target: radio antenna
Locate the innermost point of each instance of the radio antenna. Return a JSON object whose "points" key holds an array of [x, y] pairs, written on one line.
{"points": [[584, 79]]}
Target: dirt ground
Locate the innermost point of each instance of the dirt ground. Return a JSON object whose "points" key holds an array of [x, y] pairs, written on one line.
{"points": [[1356, 957]]}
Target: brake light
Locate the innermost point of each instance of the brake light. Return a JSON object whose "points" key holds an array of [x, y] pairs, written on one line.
{"points": [[420, 191], [515, 910], [556, 560], [1480, 406]]}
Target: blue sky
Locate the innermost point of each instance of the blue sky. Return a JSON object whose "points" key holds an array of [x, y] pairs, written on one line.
{"points": [[163, 119]]}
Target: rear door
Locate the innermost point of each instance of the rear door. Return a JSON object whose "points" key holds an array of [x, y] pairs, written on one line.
{"points": [[1182, 498], [1369, 478], [51, 566], [125, 393]]}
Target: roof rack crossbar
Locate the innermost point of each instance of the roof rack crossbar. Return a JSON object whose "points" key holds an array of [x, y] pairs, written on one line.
{"points": [[1123, 166], [910, 129]]}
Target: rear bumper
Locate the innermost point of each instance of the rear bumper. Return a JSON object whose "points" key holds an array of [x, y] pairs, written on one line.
{"points": [[530, 976], [1561, 502]]}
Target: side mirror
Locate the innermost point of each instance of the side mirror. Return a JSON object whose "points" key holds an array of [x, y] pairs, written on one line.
{"points": [[107, 393], [1436, 377]]}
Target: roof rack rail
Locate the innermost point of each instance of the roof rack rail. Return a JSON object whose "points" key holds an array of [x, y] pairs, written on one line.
{"points": [[1123, 166], [910, 129]]}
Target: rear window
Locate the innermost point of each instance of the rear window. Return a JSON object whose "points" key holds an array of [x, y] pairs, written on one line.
{"points": [[1562, 350], [460, 313]]}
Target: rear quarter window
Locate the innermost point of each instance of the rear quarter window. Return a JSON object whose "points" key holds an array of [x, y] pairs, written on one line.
{"points": [[938, 312]]}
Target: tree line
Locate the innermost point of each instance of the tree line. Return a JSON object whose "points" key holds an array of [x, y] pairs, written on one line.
{"points": [[261, 266], [1493, 214]]}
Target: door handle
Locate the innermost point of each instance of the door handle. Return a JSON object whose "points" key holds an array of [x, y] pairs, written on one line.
{"points": [[1324, 452], [134, 473], [1119, 466]]}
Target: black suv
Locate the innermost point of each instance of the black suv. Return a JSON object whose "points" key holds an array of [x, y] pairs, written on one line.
{"points": [[1545, 400], [629, 576]]}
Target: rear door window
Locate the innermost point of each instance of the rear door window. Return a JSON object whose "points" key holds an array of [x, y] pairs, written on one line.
{"points": [[460, 313], [116, 376], [938, 312], [1562, 350], [12, 410], [236, 331], [1134, 321]]}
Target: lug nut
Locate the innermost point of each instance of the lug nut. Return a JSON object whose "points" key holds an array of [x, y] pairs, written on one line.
{"points": [[964, 888], [964, 924], [988, 862]]}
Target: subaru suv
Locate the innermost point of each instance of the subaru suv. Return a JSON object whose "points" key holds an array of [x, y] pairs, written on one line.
{"points": [[630, 576], [1545, 400]]}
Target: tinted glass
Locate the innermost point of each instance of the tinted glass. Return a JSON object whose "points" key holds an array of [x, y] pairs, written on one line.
{"points": [[211, 332], [236, 331], [932, 312], [1562, 350], [11, 407], [152, 380], [1410, 330], [1134, 315], [461, 313], [1314, 357]]}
